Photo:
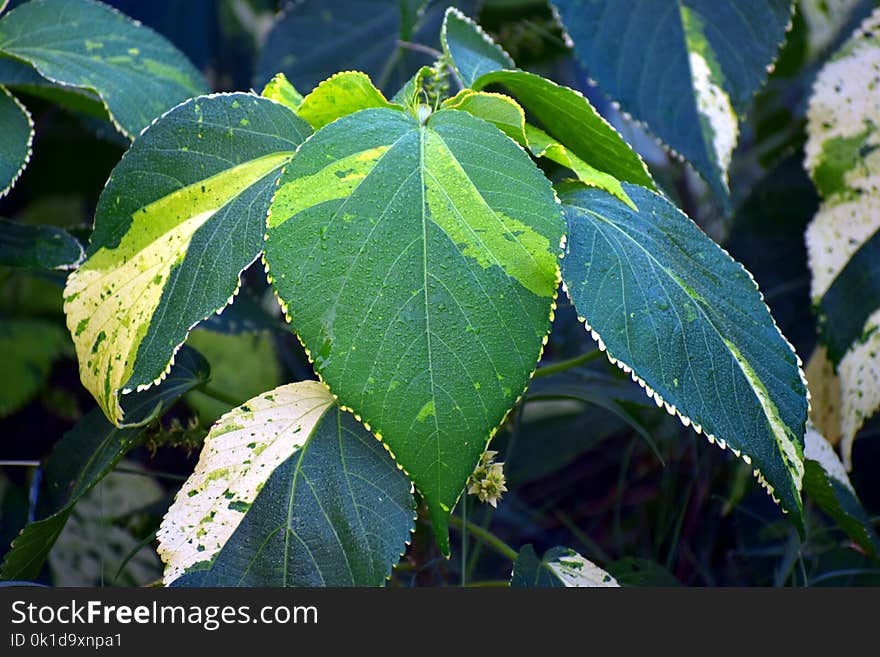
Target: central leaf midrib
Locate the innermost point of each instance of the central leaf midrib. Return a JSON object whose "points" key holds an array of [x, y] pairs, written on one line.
{"points": [[424, 208]]}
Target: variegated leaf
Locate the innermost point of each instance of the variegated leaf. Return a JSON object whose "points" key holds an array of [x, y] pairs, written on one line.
{"points": [[137, 73], [396, 246], [559, 568], [843, 157], [289, 491], [688, 68], [676, 312], [182, 215]]}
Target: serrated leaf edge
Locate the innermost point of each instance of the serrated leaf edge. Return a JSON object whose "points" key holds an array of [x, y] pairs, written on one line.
{"points": [[687, 421], [30, 142]]}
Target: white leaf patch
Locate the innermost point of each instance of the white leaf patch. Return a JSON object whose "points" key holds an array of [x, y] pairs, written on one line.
{"points": [[573, 570], [843, 157], [845, 104], [859, 373], [820, 450], [714, 104], [241, 451]]}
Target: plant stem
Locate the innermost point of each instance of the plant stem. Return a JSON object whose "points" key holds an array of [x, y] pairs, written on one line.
{"points": [[218, 395], [418, 47], [568, 364], [486, 537]]}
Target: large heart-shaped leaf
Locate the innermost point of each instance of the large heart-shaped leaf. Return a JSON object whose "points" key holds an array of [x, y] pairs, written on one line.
{"points": [[687, 321], [688, 68], [182, 215], [85, 44], [843, 242], [417, 264], [83, 456], [15, 140], [289, 491]]}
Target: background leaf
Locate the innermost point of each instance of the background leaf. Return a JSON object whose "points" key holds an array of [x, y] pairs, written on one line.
{"points": [[37, 247], [688, 69], [83, 457], [29, 347], [311, 40], [559, 568], [15, 140], [85, 44], [242, 365]]}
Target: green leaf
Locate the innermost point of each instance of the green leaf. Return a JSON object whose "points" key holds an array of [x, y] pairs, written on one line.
{"points": [[182, 215], [84, 44], [15, 140], [826, 482], [242, 365], [569, 118], [843, 158], [497, 109], [506, 115], [281, 91], [675, 311], [543, 145], [340, 95], [29, 347], [687, 68], [560, 568], [83, 456], [471, 50], [37, 247], [398, 248], [289, 491], [21, 77]]}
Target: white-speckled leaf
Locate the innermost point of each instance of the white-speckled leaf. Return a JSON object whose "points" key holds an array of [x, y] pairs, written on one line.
{"points": [[289, 491], [240, 453], [843, 158], [560, 568], [826, 482], [182, 215]]}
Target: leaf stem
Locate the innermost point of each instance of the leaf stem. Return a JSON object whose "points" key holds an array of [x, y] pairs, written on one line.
{"points": [[419, 47], [485, 537], [570, 363], [218, 395]]}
